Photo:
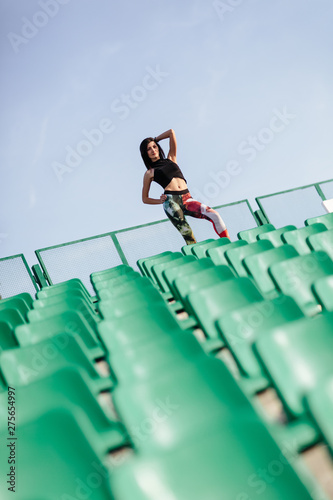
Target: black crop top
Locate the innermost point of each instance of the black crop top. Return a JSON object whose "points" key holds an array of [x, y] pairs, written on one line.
{"points": [[165, 170]]}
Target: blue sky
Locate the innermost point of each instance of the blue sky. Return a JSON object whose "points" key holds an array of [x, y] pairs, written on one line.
{"points": [[246, 85]]}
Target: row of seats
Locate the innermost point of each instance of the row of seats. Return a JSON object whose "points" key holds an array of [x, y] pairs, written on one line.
{"points": [[124, 395]]}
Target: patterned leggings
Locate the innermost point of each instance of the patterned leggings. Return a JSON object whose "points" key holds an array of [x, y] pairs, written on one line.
{"points": [[176, 206]]}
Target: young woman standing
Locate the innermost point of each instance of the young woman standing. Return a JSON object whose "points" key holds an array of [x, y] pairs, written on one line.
{"points": [[177, 200]]}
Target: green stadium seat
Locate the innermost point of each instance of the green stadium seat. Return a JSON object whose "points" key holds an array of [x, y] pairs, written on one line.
{"points": [[110, 273], [158, 269], [298, 237], [68, 461], [58, 308], [226, 465], [69, 388], [139, 327], [236, 255], [319, 404], [296, 276], [147, 361], [12, 318], [275, 236], [257, 267], [121, 306], [7, 337], [188, 283], [326, 219], [62, 297], [70, 285], [148, 264], [22, 303], [200, 249], [140, 263], [241, 327], [208, 305], [68, 322], [117, 282], [187, 420], [296, 356], [27, 364], [322, 241], [171, 274], [110, 291], [217, 254], [251, 235], [187, 249], [323, 291]]}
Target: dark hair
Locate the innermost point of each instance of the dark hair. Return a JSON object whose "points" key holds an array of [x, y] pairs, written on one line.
{"points": [[143, 150]]}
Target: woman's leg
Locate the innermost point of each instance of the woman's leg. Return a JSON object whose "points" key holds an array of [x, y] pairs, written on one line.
{"points": [[173, 208], [196, 209]]}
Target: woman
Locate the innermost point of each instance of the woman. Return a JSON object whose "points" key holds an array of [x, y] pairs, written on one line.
{"points": [[177, 201]]}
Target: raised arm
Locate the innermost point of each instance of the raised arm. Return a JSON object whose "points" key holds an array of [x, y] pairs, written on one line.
{"points": [[172, 155], [147, 179]]}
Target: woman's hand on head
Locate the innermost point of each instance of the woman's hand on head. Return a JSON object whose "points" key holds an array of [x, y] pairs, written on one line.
{"points": [[163, 197]]}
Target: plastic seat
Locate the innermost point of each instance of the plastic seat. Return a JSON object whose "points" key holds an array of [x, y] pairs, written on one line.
{"points": [[184, 285], [110, 291], [156, 357], [139, 327], [205, 468], [187, 249], [210, 304], [71, 285], [322, 241], [110, 273], [323, 291], [22, 303], [158, 269], [236, 255], [241, 327], [116, 282], [296, 356], [298, 237], [12, 318], [200, 404], [140, 262], [70, 304], [68, 322], [319, 404], [57, 437], [257, 267], [326, 219], [69, 388], [217, 254], [251, 235], [295, 277], [121, 306], [7, 338], [275, 236], [200, 249], [27, 364], [148, 264], [171, 274], [62, 298]]}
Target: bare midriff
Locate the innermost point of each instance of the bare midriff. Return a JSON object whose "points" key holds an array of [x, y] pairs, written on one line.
{"points": [[176, 184]]}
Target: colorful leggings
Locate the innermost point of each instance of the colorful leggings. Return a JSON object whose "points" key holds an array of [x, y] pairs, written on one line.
{"points": [[179, 204]]}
